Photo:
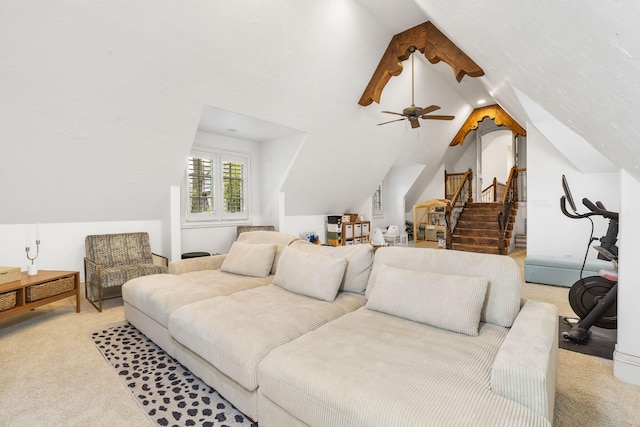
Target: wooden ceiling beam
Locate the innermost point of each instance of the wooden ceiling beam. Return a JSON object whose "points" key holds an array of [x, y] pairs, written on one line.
{"points": [[494, 112], [428, 40]]}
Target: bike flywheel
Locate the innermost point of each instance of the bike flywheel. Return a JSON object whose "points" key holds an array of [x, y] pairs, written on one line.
{"points": [[586, 293]]}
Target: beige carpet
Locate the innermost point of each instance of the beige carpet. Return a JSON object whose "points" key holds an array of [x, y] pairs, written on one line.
{"points": [[51, 374]]}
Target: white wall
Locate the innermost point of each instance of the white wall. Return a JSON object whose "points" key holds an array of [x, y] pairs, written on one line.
{"points": [[435, 190], [468, 160], [62, 244], [396, 184], [118, 88], [173, 237], [497, 157], [297, 224], [276, 157], [627, 355], [550, 233]]}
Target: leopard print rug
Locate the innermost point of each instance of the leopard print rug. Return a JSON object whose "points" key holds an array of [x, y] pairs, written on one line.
{"points": [[169, 394]]}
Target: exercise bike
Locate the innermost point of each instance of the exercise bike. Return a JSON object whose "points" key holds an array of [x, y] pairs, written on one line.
{"points": [[594, 298]]}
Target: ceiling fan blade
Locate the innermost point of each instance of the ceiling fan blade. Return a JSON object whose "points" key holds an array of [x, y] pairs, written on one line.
{"points": [[429, 109], [415, 123], [397, 120], [435, 117], [391, 112]]}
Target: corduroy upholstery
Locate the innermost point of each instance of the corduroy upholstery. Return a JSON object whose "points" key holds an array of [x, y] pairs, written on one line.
{"points": [[113, 259], [371, 369], [287, 359], [390, 367], [149, 301]]}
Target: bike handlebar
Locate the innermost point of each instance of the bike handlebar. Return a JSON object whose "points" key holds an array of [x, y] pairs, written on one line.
{"points": [[597, 209]]}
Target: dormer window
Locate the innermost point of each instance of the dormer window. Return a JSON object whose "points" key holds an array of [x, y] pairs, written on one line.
{"points": [[216, 186]]}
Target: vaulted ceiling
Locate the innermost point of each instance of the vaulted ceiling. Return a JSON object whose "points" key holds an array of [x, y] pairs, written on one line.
{"points": [[101, 101]]}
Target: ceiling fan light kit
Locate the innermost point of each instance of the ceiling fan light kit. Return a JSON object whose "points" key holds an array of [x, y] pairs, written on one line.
{"points": [[414, 113]]}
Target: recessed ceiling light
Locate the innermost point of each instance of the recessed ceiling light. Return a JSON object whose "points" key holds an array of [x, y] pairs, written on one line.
{"points": [[481, 101]]}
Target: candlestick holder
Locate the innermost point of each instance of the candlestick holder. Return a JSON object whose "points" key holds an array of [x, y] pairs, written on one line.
{"points": [[32, 269]]}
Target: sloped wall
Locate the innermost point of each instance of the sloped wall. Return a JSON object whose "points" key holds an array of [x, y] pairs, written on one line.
{"points": [[550, 233]]}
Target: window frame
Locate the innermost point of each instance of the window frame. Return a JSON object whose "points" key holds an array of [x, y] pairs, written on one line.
{"points": [[378, 213], [218, 214], [244, 213]]}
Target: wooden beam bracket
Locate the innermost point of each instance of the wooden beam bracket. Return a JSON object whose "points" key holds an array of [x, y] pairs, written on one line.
{"points": [[428, 40], [494, 112]]}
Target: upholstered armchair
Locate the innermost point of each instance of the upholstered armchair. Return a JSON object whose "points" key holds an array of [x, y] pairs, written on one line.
{"points": [[113, 259], [243, 228]]}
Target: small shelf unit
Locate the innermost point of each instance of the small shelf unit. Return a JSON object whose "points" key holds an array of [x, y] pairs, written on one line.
{"points": [[429, 220], [344, 230]]}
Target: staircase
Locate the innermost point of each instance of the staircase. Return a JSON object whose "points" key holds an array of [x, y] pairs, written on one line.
{"points": [[521, 241], [478, 230]]}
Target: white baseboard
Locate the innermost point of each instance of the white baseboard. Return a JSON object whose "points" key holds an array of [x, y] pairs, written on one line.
{"points": [[626, 367]]}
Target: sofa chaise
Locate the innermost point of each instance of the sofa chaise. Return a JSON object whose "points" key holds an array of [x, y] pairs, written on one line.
{"points": [[336, 336], [429, 348], [149, 301], [251, 314]]}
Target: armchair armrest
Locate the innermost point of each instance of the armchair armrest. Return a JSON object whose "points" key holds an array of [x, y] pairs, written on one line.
{"points": [[91, 271], [196, 264], [525, 368], [160, 260]]}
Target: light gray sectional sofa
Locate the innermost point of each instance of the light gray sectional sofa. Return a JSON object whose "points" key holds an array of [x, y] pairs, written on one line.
{"points": [[336, 336]]}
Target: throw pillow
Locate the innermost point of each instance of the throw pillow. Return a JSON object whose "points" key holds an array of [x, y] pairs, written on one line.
{"points": [[445, 301], [249, 259], [314, 275], [359, 260]]}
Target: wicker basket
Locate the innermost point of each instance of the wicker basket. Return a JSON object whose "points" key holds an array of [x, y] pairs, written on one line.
{"points": [[9, 274], [7, 300], [49, 289]]}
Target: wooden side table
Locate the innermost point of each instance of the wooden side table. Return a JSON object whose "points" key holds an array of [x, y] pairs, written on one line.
{"points": [[43, 288]]}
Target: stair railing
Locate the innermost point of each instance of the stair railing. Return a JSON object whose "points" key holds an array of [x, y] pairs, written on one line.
{"points": [[494, 192], [509, 198], [459, 200], [451, 183]]}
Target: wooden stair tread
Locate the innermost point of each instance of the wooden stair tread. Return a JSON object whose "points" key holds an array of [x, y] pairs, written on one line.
{"points": [[477, 229], [474, 248]]}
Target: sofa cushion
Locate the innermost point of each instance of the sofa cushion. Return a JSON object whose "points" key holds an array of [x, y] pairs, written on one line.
{"points": [[235, 332], [370, 369], [310, 274], [359, 261], [249, 259], [281, 241], [502, 302], [445, 301], [116, 276], [160, 295]]}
